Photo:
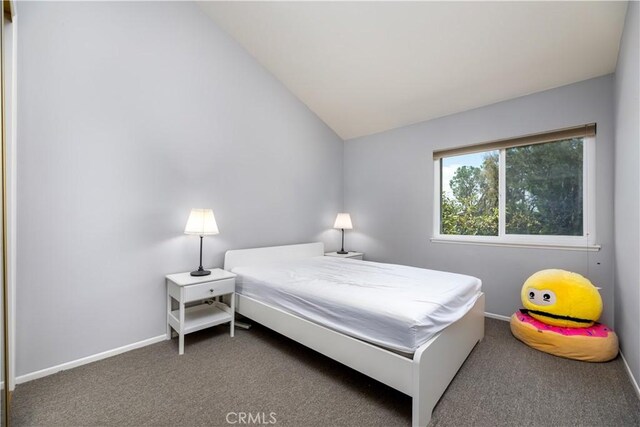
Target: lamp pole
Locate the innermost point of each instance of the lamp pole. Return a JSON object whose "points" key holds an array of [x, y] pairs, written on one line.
{"points": [[200, 271], [201, 268], [342, 251]]}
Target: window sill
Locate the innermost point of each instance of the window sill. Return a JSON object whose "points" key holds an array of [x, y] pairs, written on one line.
{"points": [[565, 247]]}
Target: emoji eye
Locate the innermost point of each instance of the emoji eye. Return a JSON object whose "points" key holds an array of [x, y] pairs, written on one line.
{"points": [[541, 296], [548, 298]]}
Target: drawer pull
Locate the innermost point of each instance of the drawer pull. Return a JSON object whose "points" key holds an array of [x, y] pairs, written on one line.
{"points": [[210, 290]]}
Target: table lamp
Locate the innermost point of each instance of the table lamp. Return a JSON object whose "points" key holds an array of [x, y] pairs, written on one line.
{"points": [[201, 223], [343, 221]]}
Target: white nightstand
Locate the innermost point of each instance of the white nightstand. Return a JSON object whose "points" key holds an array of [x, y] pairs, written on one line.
{"points": [[185, 288], [352, 255]]}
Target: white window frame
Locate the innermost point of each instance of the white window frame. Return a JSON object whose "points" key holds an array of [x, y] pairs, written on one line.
{"points": [[586, 242]]}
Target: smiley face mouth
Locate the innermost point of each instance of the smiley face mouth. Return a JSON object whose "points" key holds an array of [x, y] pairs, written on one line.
{"points": [[555, 316]]}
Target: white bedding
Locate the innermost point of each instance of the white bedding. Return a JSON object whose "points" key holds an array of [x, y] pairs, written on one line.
{"points": [[393, 306]]}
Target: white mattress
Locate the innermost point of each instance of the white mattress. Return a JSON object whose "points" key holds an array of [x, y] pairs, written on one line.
{"points": [[393, 306]]}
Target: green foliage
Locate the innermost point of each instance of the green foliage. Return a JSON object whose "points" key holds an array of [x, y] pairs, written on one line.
{"points": [[464, 217], [473, 211], [465, 184], [544, 193], [544, 189]]}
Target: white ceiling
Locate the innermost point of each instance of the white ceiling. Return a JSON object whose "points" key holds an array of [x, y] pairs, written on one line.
{"points": [[366, 67]]}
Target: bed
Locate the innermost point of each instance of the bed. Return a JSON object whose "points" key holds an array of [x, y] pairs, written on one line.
{"points": [[297, 292]]}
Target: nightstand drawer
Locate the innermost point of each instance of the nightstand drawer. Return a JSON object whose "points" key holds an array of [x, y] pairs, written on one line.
{"points": [[209, 289]]}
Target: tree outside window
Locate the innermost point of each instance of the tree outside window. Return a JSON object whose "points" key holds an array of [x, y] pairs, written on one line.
{"points": [[543, 191]]}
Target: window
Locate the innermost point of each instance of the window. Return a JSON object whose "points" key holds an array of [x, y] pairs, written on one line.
{"points": [[534, 190]]}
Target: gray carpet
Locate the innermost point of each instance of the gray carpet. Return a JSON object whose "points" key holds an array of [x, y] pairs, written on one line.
{"points": [[503, 382]]}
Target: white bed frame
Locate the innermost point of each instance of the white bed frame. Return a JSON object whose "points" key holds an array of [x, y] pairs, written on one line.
{"points": [[424, 378]]}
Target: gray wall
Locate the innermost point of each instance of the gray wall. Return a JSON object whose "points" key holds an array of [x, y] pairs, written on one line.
{"points": [[130, 114], [627, 192], [389, 192]]}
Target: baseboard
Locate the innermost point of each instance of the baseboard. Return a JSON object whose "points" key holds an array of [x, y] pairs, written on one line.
{"points": [[83, 361], [497, 316], [631, 377]]}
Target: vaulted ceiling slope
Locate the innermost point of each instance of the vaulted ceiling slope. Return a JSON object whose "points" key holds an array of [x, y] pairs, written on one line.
{"points": [[366, 67]]}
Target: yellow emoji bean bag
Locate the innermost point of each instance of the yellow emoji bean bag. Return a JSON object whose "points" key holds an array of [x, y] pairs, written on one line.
{"points": [[560, 314]]}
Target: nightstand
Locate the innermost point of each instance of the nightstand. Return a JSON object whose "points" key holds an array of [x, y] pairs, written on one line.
{"points": [[185, 288], [352, 255]]}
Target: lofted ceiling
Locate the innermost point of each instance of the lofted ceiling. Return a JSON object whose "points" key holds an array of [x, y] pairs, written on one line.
{"points": [[366, 67]]}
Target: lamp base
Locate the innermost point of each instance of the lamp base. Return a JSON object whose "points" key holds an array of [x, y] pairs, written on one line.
{"points": [[200, 273], [342, 252]]}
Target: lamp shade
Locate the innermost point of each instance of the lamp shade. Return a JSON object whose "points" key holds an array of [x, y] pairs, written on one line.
{"points": [[343, 220], [201, 222]]}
